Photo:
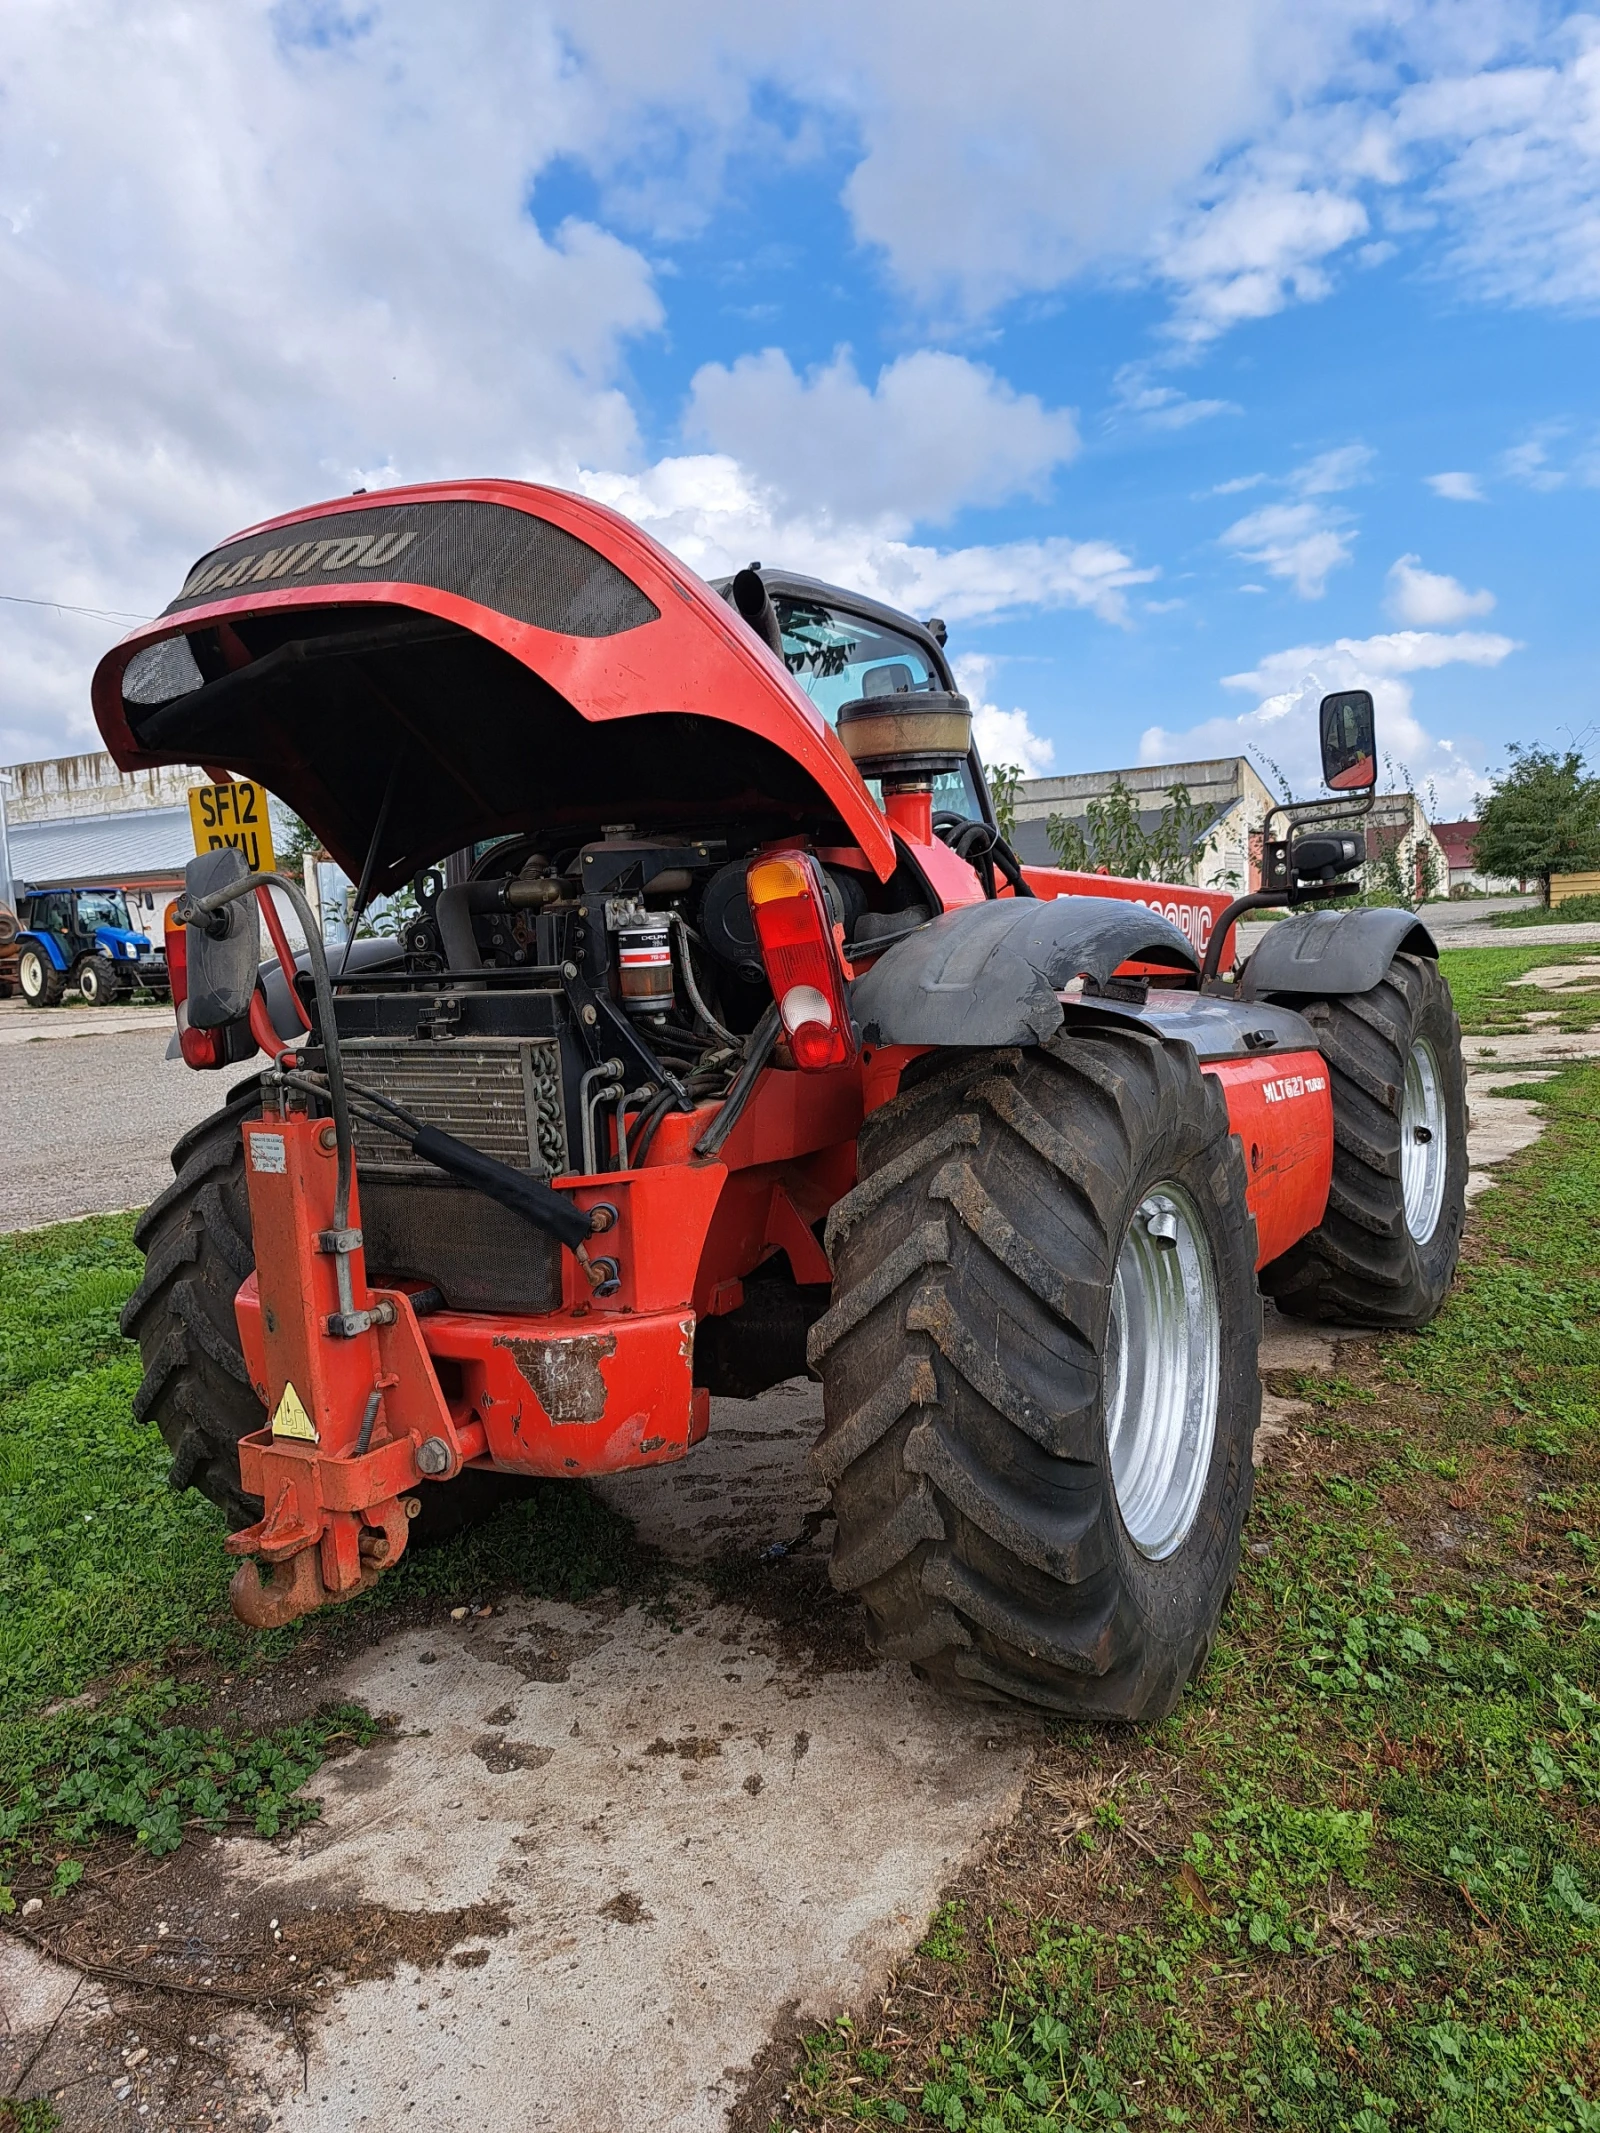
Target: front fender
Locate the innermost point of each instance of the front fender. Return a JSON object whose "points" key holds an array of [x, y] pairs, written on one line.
{"points": [[1323, 953], [989, 974]]}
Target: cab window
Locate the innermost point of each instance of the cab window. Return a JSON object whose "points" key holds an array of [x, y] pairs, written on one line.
{"points": [[837, 656]]}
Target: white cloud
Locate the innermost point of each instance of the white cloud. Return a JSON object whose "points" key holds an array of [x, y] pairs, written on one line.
{"points": [[1510, 155], [1293, 541], [1342, 468], [998, 150], [1429, 600], [1163, 407], [292, 255], [1300, 541], [1456, 488], [1002, 736], [1281, 726], [1248, 253], [241, 265], [710, 511], [935, 432]]}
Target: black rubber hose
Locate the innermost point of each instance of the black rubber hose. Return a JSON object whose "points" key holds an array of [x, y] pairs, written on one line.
{"points": [[763, 1040]]}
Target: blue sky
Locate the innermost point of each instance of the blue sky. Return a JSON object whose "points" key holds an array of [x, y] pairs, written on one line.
{"points": [[1190, 361]]}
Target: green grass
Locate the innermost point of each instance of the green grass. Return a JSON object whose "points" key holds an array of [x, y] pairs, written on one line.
{"points": [[1489, 1000], [1365, 1891], [1577, 910]]}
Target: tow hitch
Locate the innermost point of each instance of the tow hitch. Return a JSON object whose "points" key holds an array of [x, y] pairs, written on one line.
{"points": [[339, 1365]]}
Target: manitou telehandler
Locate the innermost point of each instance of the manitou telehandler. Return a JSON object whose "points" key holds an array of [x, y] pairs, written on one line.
{"points": [[726, 1035]]}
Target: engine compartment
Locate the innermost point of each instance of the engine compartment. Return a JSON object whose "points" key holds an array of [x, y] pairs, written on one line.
{"points": [[551, 1002]]}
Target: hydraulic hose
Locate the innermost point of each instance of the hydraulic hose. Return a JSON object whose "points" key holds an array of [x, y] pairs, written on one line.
{"points": [[758, 1050]]}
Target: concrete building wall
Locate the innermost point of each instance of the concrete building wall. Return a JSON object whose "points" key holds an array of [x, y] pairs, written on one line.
{"points": [[64, 787], [1229, 787]]}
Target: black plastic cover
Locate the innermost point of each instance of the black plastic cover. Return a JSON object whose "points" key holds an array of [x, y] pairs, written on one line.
{"points": [[222, 967], [989, 973], [1321, 953]]}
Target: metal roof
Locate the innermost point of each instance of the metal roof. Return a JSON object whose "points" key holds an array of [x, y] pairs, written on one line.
{"points": [[102, 848]]}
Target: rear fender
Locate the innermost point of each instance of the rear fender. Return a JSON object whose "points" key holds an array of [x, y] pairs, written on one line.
{"points": [[990, 974], [48, 946], [1329, 952]]}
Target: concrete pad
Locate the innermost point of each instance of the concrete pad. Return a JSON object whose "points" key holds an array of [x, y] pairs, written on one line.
{"points": [[1563, 977], [693, 1835], [1531, 1048], [22, 1024]]}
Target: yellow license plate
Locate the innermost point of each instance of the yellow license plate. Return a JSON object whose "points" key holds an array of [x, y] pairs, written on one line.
{"points": [[233, 815]]}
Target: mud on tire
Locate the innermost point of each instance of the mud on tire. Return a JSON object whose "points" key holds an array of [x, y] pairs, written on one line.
{"points": [[1365, 1263], [198, 1248], [965, 1362]]}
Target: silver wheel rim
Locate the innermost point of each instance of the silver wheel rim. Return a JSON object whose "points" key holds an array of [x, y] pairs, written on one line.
{"points": [[1163, 1352], [33, 968], [1424, 1141]]}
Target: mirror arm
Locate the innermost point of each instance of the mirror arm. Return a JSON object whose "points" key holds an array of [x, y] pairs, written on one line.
{"points": [[201, 911], [1264, 900]]}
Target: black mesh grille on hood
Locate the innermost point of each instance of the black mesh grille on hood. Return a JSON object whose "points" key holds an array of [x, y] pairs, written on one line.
{"points": [[516, 564]]}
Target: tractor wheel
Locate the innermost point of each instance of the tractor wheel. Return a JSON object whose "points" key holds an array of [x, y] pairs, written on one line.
{"points": [[42, 984], [196, 1239], [1385, 1252], [97, 980], [1039, 1373]]}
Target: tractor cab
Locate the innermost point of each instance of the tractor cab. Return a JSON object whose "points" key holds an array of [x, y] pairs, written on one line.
{"points": [[83, 939]]}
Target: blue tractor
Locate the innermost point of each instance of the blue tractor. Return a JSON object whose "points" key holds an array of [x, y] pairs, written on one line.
{"points": [[83, 938]]}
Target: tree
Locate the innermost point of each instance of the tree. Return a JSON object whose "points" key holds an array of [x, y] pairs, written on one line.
{"points": [[1117, 840], [1004, 778], [1543, 818]]}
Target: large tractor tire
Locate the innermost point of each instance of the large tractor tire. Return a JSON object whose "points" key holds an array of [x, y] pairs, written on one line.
{"points": [[197, 1243], [1385, 1252], [41, 984], [1039, 1373], [98, 981]]}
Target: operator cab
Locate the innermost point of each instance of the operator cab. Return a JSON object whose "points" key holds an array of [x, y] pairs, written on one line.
{"points": [[841, 647]]}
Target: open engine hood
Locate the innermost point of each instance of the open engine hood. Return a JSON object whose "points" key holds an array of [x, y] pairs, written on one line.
{"points": [[491, 656]]}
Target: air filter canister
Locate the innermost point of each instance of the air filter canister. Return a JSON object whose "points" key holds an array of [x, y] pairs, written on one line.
{"points": [[644, 961]]}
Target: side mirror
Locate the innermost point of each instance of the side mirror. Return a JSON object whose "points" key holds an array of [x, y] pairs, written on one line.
{"points": [[225, 958], [1349, 741]]}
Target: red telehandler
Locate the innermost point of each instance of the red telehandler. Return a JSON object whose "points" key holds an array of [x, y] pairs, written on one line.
{"points": [[727, 1036]]}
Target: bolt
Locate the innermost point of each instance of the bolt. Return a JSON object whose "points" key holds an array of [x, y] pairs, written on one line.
{"points": [[591, 1015], [411, 1505], [374, 1547], [569, 970], [434, 1457], [327, 1140]]}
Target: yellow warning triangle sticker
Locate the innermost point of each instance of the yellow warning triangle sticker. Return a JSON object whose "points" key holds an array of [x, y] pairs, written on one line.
{"points": [[291, 1420]]}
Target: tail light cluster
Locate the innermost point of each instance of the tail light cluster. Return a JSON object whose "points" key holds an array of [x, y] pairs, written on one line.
{"points": [[200, 1047], [794, 927]]}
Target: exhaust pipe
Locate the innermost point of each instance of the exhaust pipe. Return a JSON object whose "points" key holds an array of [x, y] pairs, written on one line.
{"points": [[754, 602]]}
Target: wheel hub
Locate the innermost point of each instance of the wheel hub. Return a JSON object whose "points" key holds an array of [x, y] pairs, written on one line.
{"points": [[1424, 1141], [1163, 1353]]}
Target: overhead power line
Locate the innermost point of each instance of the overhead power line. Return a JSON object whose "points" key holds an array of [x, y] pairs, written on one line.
{"points": [[66, 607]]}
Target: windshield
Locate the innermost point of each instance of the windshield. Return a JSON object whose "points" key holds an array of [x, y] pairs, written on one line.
{"points": [[106, 907], [831, 652]]}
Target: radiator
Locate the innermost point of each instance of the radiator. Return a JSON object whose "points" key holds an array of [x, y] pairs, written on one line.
{"points": [[500, 1094]]}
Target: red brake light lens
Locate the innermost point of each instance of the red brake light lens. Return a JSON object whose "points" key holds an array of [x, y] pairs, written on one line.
{"points": [[789, 908], [201, 1048]]}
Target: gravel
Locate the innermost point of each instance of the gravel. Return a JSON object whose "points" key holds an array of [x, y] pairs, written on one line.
{"points": [[88, 1116]]}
